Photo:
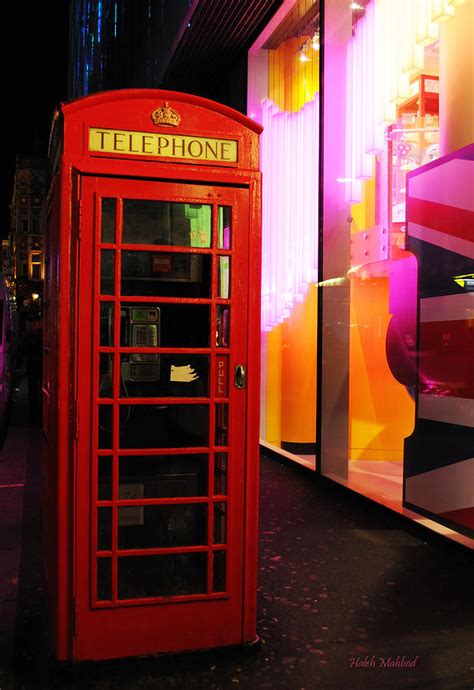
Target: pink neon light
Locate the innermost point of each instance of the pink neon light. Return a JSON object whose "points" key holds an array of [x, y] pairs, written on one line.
{"points": [[289, 157]]}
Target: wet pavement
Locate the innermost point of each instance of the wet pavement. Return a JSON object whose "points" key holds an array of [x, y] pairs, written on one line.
{"points": [[350, 595]]}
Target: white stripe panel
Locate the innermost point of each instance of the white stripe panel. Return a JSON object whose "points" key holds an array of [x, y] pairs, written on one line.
{"points": [[441, 239], [441, 408], [458, 307], [449, 488], [450, 184]]}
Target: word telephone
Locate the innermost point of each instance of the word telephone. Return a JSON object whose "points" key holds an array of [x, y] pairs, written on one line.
{"points": [[140, 327]]}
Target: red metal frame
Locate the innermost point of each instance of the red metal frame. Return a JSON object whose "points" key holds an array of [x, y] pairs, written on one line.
{"points": [[83, 627]]}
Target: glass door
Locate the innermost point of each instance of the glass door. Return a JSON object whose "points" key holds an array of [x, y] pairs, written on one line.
{"points": [[162, 328]]}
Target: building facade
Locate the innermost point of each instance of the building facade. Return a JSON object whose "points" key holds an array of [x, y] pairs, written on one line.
{"points": [[26, 234]]}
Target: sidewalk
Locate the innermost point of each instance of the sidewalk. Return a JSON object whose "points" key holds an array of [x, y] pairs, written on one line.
{"points": [[13, 459], [346, 588]]}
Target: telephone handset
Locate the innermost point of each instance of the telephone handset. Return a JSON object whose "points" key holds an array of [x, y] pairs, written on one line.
{"points": [[140, 327]]}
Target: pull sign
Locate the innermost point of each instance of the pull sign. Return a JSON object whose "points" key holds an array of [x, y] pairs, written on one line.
{"points": [[222, 376], [240, 376]]}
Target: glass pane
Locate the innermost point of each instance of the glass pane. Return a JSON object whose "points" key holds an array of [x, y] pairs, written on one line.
{"points": [[218, 575], [181, 376], [105, 426], [104, 529], [106, 378], [155, 576], [223, 326], [149, 527], [164, 426], [220, 474], [166, 275], [106, 324], [166, 223], [220, 522], [104, 579], [108, 220], [163, 476], [104, 479], [224, 277], [175, 325], [290, 213], [222, 415], [224, 227], [107, 271]]}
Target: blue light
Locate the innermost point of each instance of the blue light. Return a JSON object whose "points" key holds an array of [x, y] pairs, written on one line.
{"points": [[99, 20]]}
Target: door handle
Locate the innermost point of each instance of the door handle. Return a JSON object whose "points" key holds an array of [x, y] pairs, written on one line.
{"points": [[240, 378]]}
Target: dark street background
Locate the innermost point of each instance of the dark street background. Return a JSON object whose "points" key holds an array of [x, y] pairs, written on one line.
{"points": [[34, 51]]}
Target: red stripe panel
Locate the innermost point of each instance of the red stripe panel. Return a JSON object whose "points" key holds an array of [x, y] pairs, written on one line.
{"points": [[453, 221], [447, 356], [461, 517]]}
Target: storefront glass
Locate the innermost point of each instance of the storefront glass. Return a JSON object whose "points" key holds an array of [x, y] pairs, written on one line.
{"points": [[284, 98], [395, 367], [389, 60]]}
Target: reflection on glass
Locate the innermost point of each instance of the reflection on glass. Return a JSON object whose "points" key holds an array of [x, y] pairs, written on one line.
{"points": [[224, 277], [104, 529], [155, 576], [164, 426], [107, 271], [108, 220], [219, 568], [146, 527], [106, 324], [224, 227], [220, 474], [160, 274], [166, 223], [106, 378], [220, 522], [222, 424], [163, 476], [167, 321], [181, 376], [104, 479], [105, 423], [104, 579], [222, 326]]}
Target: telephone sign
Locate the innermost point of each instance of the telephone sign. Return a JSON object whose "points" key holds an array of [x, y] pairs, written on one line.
{"points": [[152, 309]]}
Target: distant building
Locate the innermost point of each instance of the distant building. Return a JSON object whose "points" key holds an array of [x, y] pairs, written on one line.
{"points": [[26, 237], [7, 263]]}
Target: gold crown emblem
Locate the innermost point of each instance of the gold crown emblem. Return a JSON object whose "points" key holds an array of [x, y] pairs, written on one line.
{"points": [[166, 116]]}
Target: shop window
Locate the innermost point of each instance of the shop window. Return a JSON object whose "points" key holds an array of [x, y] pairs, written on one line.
{"points": [[397, 69], [284, 97]]}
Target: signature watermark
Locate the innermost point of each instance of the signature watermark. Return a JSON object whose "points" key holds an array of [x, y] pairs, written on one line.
{"points": [[398, 662]]}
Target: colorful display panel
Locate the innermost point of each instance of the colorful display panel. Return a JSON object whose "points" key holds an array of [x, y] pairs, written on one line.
{"points": [[439, 455]]}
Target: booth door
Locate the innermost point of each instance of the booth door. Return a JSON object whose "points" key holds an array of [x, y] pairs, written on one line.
{"points": [[161, 417]]}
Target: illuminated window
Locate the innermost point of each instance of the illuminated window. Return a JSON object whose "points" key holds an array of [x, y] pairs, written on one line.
{"points": [[36, 265]]}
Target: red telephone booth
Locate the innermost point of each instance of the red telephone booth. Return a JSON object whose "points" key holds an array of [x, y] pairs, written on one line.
{"points": [[151, 375]]}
